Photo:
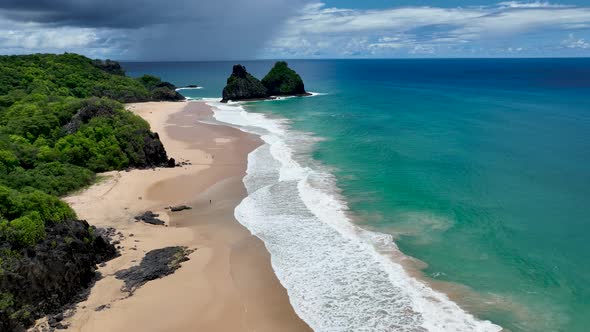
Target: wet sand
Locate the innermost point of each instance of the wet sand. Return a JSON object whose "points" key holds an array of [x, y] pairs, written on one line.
{"points": [[228, 284]]}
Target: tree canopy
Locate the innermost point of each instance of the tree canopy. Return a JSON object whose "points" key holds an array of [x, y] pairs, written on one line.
{"points": [[61, 120], [283, 81]]}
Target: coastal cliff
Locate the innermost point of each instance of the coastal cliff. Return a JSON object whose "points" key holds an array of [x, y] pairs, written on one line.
{"points": [[61, 122], [242, 86]]}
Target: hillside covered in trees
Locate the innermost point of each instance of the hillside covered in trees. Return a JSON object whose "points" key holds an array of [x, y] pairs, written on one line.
{"points": [[61, 121]]}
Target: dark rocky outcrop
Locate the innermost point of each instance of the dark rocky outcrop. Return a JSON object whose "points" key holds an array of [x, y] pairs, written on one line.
{"points": [[283, 81], [156, 264], [109, 66], [171, 163], [149, 217], [91, 108], [149, 153], [40, 280], [180, 208], [243, 86], [166, 94], [160, 90], [153, 151]]}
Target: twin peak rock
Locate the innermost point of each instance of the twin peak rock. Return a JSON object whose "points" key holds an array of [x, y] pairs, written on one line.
{"points": [[280, 81]]}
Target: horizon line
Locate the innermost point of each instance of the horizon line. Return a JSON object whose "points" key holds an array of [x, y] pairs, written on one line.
{"points": [[360, 58]]}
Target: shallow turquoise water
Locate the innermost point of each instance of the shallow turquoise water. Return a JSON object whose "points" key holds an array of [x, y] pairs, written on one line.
{"points": [[479, 168]]}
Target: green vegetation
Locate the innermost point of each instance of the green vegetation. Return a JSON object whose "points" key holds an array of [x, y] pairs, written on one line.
{"points": [[282, 80], [61, 121], [72, 75]]}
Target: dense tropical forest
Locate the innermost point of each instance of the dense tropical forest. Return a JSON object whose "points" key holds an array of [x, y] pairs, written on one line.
{"points": [[61, 122]]}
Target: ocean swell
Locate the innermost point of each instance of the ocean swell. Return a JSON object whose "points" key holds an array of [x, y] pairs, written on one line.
{"points": [[336, 273]]}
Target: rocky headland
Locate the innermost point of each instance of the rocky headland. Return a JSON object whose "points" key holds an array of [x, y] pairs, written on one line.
{"points": [[42, 279]]}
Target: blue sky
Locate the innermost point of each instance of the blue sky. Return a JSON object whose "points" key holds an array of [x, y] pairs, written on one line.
{"points": [[254, 29]]}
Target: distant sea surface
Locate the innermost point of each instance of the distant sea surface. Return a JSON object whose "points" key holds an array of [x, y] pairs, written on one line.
{"points": [[477, 169]]}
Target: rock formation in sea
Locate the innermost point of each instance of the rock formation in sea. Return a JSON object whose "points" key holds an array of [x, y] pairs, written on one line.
{"points": [[242, 86], [283, 81], [280, 81]]}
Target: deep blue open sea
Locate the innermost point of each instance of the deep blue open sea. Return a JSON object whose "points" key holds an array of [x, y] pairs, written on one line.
{"points": [[473, 174]]}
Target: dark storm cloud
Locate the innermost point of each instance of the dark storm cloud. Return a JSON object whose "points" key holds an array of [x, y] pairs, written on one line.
{"points": [[100, 13], [165, 29]]}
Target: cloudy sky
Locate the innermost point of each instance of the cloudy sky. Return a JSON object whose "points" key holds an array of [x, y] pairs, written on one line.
{"points": [[251, 29]]}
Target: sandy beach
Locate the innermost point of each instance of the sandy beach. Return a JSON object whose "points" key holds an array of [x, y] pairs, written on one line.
{"points": [[228, 284]]}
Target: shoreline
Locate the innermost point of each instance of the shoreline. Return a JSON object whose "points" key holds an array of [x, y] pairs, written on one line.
{"points": [[412, 298], [228, 284]]}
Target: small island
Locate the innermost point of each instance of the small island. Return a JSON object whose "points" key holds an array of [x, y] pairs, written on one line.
{"points": [[284, 81], [280, 81], [243, 86]]}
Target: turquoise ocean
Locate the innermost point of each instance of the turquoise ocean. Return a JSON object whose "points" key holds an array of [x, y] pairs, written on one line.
{"points": [[472, 174]]}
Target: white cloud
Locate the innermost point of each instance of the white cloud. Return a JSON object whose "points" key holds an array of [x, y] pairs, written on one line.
{"points": [[19, 38], [422, 49], [573, 42], [535, 4], [423, 30]]}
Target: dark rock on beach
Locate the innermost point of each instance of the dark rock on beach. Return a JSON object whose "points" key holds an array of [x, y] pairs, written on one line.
{"points": [[180, 208], [42, 279], [154, 153], [242, 86], [156, 264], [102, 307], [171, 163], [150, 218]]}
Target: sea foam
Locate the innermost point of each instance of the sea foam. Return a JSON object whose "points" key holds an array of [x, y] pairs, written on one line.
{"points": [[337, 274], [187, 88]]}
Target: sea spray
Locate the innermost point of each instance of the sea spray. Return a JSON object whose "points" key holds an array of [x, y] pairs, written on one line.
{"points": [[335, 275]]}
